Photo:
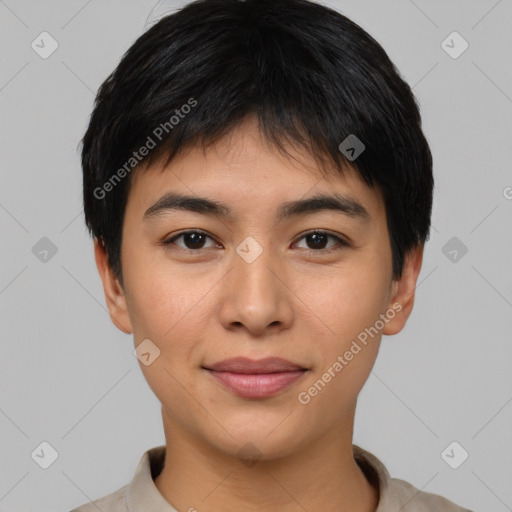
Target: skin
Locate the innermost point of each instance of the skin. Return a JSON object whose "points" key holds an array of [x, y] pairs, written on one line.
{"points": [[294, 301]]}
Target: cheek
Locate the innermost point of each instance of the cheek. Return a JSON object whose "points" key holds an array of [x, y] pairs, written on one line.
{"points": [[351, 306], [171, 311], [350, 301], [168, 304]]}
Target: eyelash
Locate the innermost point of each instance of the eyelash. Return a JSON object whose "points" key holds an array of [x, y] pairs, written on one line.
{"points": [[341, 243]]}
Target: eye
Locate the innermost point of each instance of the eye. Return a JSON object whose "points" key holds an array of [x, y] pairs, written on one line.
{"points": [[318, 241], [194, 240]]}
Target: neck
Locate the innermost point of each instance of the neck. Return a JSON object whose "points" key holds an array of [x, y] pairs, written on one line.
{"points": [[321, 476]]}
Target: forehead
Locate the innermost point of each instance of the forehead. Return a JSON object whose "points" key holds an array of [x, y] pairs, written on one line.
{"points": [[242, 171]]}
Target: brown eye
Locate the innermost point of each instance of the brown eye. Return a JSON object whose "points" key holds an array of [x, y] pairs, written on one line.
{"points": [[193, 240], [317, 241]]}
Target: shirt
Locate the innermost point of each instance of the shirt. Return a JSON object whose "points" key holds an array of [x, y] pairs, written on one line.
{"points": [[142, 495]]}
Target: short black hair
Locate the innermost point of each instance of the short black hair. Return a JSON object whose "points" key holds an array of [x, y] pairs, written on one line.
{"points": [[311, 75]]}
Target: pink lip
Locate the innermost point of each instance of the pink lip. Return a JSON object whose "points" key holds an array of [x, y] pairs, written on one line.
{"points": [[258, 385], [256, 379]]}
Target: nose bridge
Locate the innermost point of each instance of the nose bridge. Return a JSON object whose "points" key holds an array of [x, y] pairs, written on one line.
{"points": [[255, 297], [252, 270]]}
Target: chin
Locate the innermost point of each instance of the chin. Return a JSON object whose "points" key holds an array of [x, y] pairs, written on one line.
{"points": [[258, 440]]}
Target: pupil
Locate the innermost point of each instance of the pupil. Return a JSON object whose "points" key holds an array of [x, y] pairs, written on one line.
{"points": [[195, 238], [316, 236]]}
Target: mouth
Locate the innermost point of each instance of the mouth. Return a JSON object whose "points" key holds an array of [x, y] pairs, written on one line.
{"points": [[249, 378]]}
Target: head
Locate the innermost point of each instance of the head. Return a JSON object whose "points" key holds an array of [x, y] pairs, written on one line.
{"points": [[245, 104]]}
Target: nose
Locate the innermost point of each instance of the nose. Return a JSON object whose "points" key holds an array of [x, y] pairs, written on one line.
{"points": [[256, 296]]}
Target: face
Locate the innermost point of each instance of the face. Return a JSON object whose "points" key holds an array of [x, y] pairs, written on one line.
{"points": [[301, 284]]}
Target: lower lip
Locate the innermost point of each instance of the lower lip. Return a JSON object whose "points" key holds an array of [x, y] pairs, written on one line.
{"points": [[260, 385]]}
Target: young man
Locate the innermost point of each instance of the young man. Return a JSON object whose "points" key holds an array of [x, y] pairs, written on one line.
{"points": [[259, 190]]}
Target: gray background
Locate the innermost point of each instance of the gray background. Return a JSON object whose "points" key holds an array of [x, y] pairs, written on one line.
{"points": [[68, 376]]}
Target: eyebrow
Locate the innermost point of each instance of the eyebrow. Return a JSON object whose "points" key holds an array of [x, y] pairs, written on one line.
{"points": [[205, 206]]}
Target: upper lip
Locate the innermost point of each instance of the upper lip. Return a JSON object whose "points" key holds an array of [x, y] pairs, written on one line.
{"points": [[246, 365]]}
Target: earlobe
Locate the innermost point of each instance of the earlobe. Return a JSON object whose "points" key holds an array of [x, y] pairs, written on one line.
{"points": [[402, 299], [114, 293]]}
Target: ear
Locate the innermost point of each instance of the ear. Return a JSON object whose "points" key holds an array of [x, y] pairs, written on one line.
{"points": [[114, 293], [402, 297]]}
